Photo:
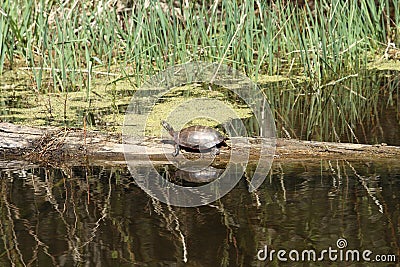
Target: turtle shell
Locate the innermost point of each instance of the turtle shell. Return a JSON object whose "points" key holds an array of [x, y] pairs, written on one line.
{"points": [[198, 137]]}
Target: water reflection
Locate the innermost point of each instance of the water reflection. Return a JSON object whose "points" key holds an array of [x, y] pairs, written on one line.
{"points": [[97, 215], [195, 177], [361, 108]]}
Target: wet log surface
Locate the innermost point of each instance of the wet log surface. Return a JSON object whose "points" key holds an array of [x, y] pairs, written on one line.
{"points": [[74, 146]]}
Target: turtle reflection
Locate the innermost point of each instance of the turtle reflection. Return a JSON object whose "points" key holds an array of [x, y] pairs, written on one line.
{"points": [[194, 177]]}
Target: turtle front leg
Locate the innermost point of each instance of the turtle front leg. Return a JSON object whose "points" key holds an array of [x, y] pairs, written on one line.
{"points": [[176, 152], [215, 151]]}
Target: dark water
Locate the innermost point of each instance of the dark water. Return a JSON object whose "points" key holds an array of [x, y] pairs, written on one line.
{"points": [[97, 216], [361, 109]]}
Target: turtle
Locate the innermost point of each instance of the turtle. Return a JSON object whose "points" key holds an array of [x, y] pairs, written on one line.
{"points": [[196, 137]]}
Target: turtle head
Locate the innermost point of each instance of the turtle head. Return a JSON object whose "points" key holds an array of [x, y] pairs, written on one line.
{"points": [[168, 128]]}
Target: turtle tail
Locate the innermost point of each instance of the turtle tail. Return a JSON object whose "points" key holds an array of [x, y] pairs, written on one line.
{"points": [[168, 128]]}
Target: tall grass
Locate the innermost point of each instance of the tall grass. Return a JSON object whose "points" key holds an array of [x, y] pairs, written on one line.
{"points": [[323, 43], [328, 38]]}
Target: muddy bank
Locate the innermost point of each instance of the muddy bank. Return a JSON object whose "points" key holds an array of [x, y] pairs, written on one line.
{"points": [[50, 144]]}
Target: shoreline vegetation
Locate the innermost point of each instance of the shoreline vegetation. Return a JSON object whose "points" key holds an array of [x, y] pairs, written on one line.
{"points": [[327, 68]]}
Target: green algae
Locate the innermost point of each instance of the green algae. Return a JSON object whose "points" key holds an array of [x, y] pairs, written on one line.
{"points": [[195, 104], [385, 65], [23, 105], [105, 110]]}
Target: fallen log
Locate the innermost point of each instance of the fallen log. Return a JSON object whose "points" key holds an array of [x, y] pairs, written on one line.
{"points": [[52, 144]]}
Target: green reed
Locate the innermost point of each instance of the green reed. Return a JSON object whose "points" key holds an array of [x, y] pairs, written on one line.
{"points": [[329, 38]]}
